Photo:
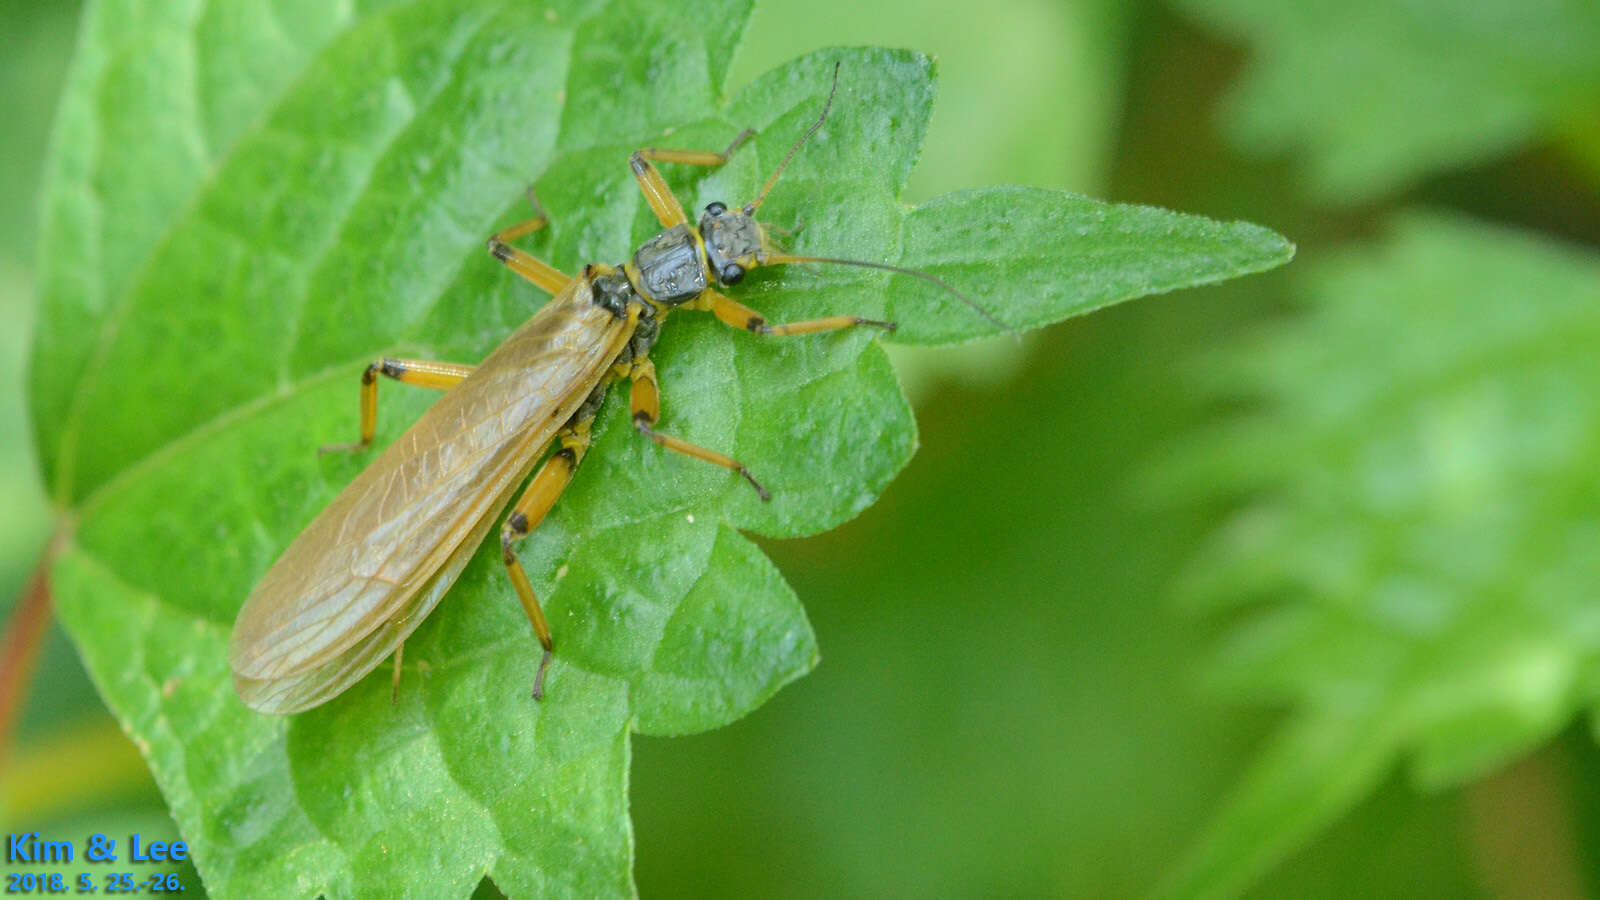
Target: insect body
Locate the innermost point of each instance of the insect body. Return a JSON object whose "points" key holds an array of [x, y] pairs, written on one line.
{"points": [[362, 576]]}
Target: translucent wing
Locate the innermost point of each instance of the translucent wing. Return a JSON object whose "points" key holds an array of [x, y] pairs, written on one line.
{"points": [[374, 563]]}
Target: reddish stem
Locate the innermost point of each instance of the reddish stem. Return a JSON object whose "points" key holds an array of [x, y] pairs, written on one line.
{"points": [[19, 648]]}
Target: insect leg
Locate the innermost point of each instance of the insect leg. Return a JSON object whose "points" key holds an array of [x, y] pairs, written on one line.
{"points": [[660, 197], [440, 376], [529, 511], [645, 396], [547, 277], [731, 312]]}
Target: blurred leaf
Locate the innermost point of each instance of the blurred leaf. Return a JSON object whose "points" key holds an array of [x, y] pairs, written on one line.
{"points": [[1379, 94], [1402, 845], [1052, 125], [34, 40], [74, 768], [35, 43], [1421, 519], [25, 521], [201, 336]]}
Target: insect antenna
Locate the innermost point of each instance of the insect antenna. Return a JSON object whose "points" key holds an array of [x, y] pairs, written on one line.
{"points": [[781, 258], [753, 205]]}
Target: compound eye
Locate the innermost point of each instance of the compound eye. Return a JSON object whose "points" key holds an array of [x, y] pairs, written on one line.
{"points": [[716, 208], [731, 273]]}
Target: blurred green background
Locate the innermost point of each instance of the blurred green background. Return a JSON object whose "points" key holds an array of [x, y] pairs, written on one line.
{"points": [[1021, 692]]}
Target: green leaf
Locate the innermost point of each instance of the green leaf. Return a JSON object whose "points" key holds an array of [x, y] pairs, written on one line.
{"points": [[1415, 568], [309, 202], [1380, 94]]}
